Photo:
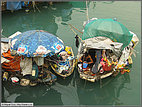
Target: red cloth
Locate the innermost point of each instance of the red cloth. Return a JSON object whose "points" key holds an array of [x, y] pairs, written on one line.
{"points": [[106, 67]]}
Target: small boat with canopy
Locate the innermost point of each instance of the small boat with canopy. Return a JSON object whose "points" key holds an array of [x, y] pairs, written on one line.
{"points": [[105, 49], [24, 62], [63, 63]]}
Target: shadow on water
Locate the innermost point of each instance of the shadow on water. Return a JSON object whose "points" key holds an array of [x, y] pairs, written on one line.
{"points": [[105, 92], [61, 92], [71, 91]]}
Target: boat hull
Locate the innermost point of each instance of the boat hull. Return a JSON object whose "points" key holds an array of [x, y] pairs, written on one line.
{"points": [[70, 71]]}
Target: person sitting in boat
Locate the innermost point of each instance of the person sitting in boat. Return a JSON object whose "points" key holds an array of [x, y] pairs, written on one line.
{"points": [[86, 60], [65, 54]]}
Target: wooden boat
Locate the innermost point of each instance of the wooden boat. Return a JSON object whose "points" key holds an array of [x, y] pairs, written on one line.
{"points": [[87, 74], [116, 59], [11, 69], [70, 63]]}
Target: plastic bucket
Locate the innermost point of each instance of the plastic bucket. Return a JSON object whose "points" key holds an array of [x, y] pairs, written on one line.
{"points": [[85, 65]]}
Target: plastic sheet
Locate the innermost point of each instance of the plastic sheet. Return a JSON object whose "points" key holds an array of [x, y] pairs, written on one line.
{"points": [[14, 5]]}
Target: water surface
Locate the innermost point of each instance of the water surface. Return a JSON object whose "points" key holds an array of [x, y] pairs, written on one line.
{"points": [[122, 90]]}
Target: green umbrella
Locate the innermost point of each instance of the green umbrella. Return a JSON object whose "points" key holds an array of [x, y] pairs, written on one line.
{"points": [[107, 28]]}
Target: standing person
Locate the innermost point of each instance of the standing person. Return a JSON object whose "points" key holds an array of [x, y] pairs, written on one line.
{"points": [[98, 59]]}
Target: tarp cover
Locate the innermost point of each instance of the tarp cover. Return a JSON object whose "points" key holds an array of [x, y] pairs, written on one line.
{"points": [[102, 43], [107, 28], [14, 5], [35, 43]]}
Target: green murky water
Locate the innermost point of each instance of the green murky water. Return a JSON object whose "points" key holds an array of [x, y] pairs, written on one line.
{"points": [[122, 90]]}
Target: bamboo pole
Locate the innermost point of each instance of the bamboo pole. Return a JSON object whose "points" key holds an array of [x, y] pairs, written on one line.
{"points": [[87, 11], [77, 35], [75, 32], [34, 6], [75, 28]]}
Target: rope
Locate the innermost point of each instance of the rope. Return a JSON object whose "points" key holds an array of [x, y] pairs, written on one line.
{"points": [[75, 32], [51, 60], [75, 28], [77, 35]]}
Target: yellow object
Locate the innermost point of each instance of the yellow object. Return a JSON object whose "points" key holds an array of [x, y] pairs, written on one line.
{"points": [[130, 60], [127, 70], [112, 62], [55, 65], [133, 43], [115, 63], [68, 50], [5, 76], [108, 62], [119, 66], [33, 72], [104, 58]]}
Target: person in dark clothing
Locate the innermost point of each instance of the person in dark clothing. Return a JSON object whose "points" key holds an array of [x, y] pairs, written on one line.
{"points": [[86, 59], [98, 59]]}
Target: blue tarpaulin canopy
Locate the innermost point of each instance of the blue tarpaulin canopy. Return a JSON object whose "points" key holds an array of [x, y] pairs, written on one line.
{"points": [[36, 43]]}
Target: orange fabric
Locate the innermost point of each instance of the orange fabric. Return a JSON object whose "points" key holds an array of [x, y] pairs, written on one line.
{"points": [[7, 55], [14, 64]]}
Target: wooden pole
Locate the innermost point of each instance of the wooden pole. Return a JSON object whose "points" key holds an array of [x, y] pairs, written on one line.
{"points": [[34, 5], [75, 28], [75, 33], [87, 11]]}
